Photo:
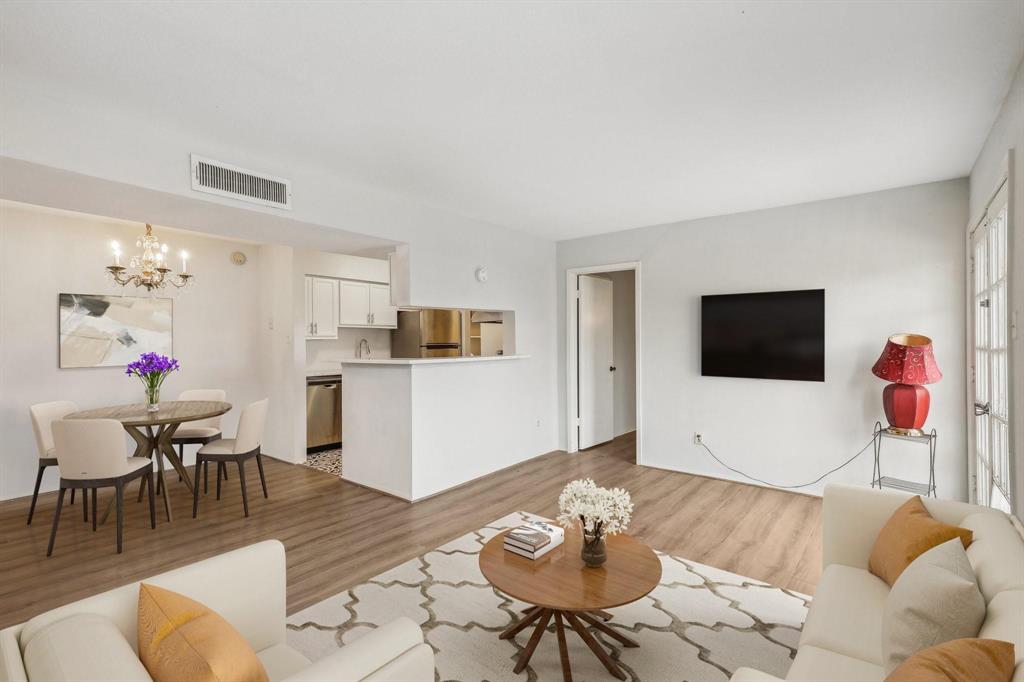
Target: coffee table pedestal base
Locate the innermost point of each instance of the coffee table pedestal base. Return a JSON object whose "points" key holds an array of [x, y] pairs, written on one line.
{"points": [[575, 620]]}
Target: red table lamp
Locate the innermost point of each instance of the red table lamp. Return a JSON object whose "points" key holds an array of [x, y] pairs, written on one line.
{"points": [[908, 361]]}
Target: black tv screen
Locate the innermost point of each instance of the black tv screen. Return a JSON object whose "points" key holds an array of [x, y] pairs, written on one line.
{"points": [[774, 335]]}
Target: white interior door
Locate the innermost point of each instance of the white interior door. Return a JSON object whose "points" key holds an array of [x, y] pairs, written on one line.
{"points": [[990, 364], [595, 365]]}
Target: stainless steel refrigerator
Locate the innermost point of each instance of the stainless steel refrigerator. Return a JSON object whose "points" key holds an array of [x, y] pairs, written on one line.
{"points": [[431, 333]]}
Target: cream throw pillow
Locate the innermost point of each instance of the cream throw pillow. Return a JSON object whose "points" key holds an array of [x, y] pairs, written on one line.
{"points": [[935, 600]]}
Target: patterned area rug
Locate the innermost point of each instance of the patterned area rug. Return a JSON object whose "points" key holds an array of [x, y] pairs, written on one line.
{"points": [[700, 623], [328, 461]]}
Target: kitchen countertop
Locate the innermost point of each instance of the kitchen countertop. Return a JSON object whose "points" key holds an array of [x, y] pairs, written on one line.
{"points": [[335, 369], [430, 361]]}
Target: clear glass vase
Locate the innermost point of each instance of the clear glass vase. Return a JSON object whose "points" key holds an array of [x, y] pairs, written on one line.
{"points": [[593, 552], [152, 399]]}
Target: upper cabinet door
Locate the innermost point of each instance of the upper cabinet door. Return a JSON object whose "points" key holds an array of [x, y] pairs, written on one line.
{"points": [[354, 304], [323, 307], [382, 313]]}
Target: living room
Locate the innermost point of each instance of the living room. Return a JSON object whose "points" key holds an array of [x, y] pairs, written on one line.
{"points": [[835, 186]]}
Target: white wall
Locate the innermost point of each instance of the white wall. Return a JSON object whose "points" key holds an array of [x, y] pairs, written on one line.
{"points": [[1008, 134], [889, 261], [132, 166], [44, 253]]}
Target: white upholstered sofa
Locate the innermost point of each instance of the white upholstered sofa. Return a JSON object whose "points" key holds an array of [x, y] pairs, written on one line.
{"points": [[247, 588], [842, 638]]}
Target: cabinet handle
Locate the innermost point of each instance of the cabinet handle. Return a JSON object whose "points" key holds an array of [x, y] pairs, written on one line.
{"points": [[314, 327], [373, 317]]}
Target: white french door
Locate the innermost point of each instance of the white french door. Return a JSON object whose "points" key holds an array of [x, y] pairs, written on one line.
{"points": [[990, 375]]}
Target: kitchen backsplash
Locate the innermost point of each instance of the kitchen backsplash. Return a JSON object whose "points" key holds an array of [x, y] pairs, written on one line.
{"points": [[325, 351]]}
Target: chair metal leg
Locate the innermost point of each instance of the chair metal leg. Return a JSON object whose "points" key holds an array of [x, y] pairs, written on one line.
{"points": [[142, 487], [56, 521], [119, 497], [152, 500], [195, 488], [35, 492], [263, 479], [220, 465], [241, 479], [224, 470], [73, 495], [94, 510], [181, 456], [206, 477]]}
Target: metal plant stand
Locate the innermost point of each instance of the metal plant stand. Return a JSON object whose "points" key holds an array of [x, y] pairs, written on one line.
{"points": [[877, 479]]}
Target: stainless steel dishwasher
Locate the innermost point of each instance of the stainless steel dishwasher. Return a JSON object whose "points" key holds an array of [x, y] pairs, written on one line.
{"points": [[323, 413]]}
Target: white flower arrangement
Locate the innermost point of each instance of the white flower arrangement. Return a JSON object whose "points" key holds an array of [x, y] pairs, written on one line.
{"points": [[599, 511]]}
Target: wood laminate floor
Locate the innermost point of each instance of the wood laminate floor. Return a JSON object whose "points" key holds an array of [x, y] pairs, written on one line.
{"points": [[338, 534]]}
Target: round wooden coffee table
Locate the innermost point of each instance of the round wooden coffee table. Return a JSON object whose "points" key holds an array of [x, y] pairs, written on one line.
{"points": [[560, 586]]}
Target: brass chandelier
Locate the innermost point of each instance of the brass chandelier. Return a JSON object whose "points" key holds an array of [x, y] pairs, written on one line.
{"points": [[149, 268]]}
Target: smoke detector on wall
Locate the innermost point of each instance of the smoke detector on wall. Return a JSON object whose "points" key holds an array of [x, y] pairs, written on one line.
{"points": [[226, 180]]}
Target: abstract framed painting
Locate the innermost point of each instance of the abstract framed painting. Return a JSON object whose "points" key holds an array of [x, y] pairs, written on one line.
{"points": [[97, 330]]}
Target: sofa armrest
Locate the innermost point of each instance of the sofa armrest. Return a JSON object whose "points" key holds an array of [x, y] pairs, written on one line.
{"points": [[852, 517], [392, 652], [12, 667], [751, 675]]}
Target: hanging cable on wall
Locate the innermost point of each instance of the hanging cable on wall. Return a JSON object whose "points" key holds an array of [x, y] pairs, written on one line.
{"points": [[788, 487]]}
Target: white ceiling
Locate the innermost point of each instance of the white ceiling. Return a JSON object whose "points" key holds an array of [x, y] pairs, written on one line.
{"points": [[563, 119]]}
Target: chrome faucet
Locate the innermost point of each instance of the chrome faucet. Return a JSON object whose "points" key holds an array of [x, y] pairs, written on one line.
{"points": [[364, 349]]}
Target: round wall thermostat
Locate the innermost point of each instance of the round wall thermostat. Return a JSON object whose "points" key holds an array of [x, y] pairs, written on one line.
{"points": [[239, 258], [481, 274]]}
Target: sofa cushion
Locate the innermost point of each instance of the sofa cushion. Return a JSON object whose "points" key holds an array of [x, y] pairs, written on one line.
{"points": [[82, 648], [846, 614], [910, 532], [997, 553], [934, 601], [180, 639], [1005, 621], [821, 665], [282, 661], [226, 583], [961, 660]]}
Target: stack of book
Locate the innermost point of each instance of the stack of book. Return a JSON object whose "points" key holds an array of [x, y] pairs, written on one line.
{"points": [[534, 539]]}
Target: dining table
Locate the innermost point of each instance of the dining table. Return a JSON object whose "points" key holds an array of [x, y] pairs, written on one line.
{"points": [[153, 431]]}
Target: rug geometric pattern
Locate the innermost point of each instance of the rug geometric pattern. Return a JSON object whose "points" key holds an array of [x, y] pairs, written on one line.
{"points": [[699, 623]]}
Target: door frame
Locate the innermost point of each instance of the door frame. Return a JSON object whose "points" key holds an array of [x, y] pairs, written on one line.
{"points": [[1005, 177], [572, 350]]}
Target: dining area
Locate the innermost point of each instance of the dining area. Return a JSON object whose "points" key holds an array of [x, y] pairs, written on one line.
{"points": [[91, 451]]}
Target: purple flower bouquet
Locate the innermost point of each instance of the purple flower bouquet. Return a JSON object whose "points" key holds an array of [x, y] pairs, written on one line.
{"points": [[152, 369]]}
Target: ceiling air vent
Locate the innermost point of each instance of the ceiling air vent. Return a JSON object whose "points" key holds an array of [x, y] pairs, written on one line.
{"points": [[226, 180]]}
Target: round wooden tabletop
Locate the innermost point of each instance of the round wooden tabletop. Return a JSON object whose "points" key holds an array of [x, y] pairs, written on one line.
{"points": [[560, 580], [170, 412]]}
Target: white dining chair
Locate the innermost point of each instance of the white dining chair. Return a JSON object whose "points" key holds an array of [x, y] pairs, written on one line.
{"points": [[200, 432], [43, 415], [245, 445], [91, 454]]}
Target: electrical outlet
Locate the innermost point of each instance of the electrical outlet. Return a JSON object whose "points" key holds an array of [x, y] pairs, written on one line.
{"points": [[698, 439], [538, 423]]}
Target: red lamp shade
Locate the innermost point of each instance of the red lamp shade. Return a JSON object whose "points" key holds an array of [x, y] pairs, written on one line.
{"points": [[908, 361]]}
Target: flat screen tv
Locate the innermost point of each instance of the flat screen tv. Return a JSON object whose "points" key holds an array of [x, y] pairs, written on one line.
{"points": [[773, 335]]}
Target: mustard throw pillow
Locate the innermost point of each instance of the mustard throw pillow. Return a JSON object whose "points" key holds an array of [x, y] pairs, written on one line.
{"points": [[960, 660], [910, 532], [180, 640]]}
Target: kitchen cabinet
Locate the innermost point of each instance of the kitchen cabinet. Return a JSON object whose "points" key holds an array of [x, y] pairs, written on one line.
{"points": [[365, 304], [321, 308], [354, 304], [382, 313]]}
